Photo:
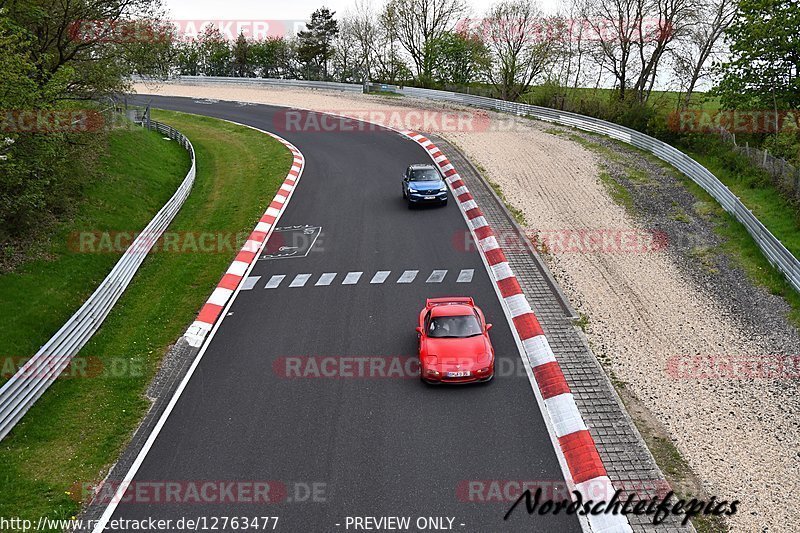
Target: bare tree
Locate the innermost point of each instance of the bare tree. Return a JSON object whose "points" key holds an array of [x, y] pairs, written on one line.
{"points": [[663, 22], [418, 23], [390, 65], [362, 31], [347, 54], [519, 43], [702, 43], [614, 27]]}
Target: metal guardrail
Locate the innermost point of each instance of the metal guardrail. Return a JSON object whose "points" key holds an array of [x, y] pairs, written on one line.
{"points": [[22, 390], [773, 249], [306, 84]]}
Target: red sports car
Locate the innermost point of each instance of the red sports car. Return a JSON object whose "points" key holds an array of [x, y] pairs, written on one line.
{"points": [[454, 345]]}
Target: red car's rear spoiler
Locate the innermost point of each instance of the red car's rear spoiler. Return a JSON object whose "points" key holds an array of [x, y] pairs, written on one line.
{"points": [[452, 300]]}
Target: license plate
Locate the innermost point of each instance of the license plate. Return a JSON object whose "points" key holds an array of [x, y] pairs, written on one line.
{"points": [[430, 198], [462, 374]]}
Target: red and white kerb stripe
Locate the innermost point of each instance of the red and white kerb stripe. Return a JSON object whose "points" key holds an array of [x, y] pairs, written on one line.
{"points": [[213, 307], [580, 453]]}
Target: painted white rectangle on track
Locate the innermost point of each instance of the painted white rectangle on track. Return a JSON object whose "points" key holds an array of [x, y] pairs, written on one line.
{"points": [[352, 278], [275, 281], [300, 280], [381, 276], [408, 276], [437, 276], [465, 276], [325, 279], [250, 283]]}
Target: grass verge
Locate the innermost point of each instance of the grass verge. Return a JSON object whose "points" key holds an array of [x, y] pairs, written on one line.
{"points": [[774, 210], [129, 192], [73, 434]]}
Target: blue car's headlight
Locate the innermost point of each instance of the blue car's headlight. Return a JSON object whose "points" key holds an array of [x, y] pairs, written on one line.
{"points": [[443, 188], [412, 191]]}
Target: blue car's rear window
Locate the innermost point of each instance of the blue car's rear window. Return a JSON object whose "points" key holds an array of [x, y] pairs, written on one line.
{"points": [[424, 174]]}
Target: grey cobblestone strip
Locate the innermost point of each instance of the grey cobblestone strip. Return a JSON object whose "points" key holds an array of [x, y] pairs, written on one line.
{"points": [[629, 463]]}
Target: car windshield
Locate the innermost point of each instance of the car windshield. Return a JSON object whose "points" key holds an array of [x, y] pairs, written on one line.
{"points": [[424, 174], [454, 326]]}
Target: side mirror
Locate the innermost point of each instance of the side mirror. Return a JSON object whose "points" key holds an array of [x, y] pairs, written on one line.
{"points": [[419, 330], [488, 327]]}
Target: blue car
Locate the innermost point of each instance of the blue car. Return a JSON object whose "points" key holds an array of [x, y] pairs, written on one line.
{"points": [[422, 184]]}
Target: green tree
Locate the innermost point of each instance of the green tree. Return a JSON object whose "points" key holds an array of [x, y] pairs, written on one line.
{"points": [[764, 67], [188, 58], [460, 58], [242, 57], [54, 53], [215, 52], [315, 43], [98, 44], [41, 172], [274, 57], [417, 24]]}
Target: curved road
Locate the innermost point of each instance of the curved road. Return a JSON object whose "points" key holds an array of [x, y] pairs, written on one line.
{"points": [[367, 446]]}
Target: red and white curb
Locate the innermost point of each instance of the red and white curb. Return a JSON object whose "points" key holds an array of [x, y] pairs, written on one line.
{"points": [[201, 332], [584, 466], [244, 261]]}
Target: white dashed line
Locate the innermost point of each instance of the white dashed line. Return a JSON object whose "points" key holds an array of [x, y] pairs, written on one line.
{"points": [[465, 276], [325, 279], [274, 282], [352, 278], [300, 280], [437, 276], [250, 283], [408, 276], [381, 276]]}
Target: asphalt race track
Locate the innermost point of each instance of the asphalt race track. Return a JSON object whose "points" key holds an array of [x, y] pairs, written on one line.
{"points": [[369, 446]]}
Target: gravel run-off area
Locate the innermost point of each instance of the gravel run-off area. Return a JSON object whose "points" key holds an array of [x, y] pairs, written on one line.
{"points": [[649, 312]]}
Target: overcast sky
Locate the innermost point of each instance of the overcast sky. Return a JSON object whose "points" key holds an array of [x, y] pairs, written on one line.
{"points": [[284, 9]]}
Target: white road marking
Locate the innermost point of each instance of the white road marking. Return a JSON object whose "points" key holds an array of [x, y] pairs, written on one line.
{"points": [[408, 276], [300, 280], [325, 279], [465, 276], [108, 512], [352, 278], [437, 276], [250, 283], [274, 282], [381, 276]]}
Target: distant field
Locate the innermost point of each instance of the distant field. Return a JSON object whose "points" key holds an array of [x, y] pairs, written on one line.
{"points": [[664, 101]]}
